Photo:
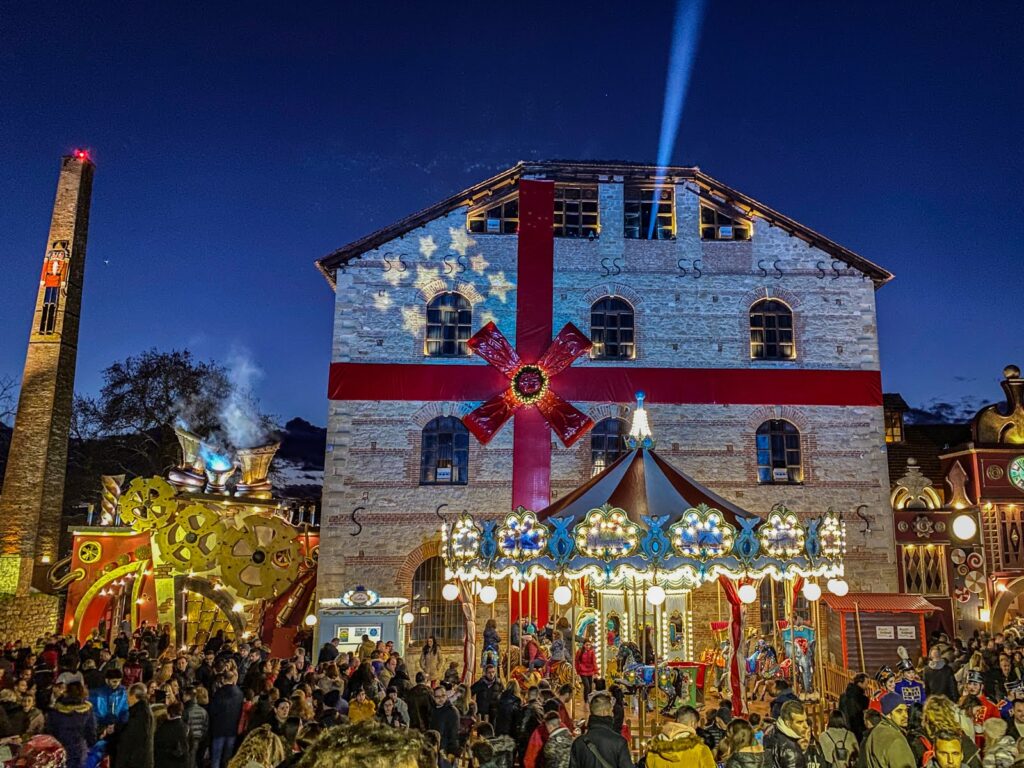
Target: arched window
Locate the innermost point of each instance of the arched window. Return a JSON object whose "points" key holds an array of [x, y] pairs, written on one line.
{"points": [[433, 614], [611, 329], [771, 331], [444, 452], [778, 453], [607, 442], [449, 325]]}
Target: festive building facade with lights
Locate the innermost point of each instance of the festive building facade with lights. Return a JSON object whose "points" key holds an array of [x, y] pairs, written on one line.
{"points": [[540, 301], [957, 507]]}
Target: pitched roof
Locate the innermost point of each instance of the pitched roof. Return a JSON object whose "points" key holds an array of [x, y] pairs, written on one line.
{"points": [[642, 484], [878, 602], [592, 172], [925, 443]]}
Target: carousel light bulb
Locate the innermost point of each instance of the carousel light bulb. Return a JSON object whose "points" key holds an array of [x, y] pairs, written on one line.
{"points": [[562, 595], [838, 587], [310, 620], [747, 593], [407, 618], [811, 591], [517, 585], [656, 595], [488, 594]]}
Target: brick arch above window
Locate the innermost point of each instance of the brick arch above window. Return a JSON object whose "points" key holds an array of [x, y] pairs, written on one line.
{"points": [[615, 290], [785, 412], [769, 293], [791, 299], [434, 288], [431, 411], [600, 411], [425, 551]]}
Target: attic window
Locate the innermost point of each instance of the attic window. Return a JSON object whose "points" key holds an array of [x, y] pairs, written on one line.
{"points": [[647, 213], [575, 211], [500, 218], [893, 425], [715, 225]]}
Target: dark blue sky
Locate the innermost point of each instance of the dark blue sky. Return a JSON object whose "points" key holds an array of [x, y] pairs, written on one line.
{"points": [[235, 145]]}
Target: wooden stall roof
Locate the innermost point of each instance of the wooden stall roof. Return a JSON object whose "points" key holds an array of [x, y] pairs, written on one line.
{"points": [[878, 602]]}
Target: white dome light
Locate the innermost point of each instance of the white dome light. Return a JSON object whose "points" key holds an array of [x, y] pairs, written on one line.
{"points": [[449, 592], [964, 527], [838, 587], [656, 595], [488, 594], [811, 591], [562, 595], [517, 585], [407, 618], [310, 620], [747, 593]]}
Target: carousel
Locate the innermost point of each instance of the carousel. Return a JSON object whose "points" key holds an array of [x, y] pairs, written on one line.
{"points": [[625, 553]]}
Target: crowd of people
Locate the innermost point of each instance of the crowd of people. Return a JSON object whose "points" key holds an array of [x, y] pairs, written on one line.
{"points": [[139, 703]]}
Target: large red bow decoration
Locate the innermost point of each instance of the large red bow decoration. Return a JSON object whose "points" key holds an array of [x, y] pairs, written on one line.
{"points": [[529, 384]]}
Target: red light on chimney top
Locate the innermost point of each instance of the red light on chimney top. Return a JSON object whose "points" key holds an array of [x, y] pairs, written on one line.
{"points": [[81, 154]]}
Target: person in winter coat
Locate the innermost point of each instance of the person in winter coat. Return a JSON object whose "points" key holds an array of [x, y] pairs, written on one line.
{"points": [[487, 691], [420, 702], [938, 677], [329, 652], [558, 747], [225, 712], [445, 720], [886, 745], [431, 661], [740, 748], [110, 701], [14, 713], [197, 721], [783, 693], [72, 723], [853, 702], [586, 667], [366, 648], [1000, 749], [602, 739], [785, 746], [530, 716], [135, 738], [510, 705], [170, 739], [837, 743], [492, 642], [361, 707], [679, 745]]}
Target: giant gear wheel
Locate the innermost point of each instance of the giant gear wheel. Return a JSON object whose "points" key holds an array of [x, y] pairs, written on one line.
{"points": [[190, 539], [260, 559], [147, 502]]}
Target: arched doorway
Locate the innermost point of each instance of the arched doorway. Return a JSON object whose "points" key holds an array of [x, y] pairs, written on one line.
{"points": [[1008, 604], [202, 610]]}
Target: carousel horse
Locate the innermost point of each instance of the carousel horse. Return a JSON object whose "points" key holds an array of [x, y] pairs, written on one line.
{"points": [[661, 683], [762, 667]]}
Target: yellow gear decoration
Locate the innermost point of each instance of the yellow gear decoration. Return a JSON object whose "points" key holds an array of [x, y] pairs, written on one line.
{"points": [[90, 551], [146, 503], [260, 559], [190, 539]]}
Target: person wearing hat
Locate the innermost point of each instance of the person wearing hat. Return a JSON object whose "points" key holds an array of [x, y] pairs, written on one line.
{"points": [[910, 688], [886, 679], [1014, 692], [973, 689], [886, 745]]}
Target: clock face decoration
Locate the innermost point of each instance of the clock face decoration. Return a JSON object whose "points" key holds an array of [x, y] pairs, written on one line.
{"points": [[1016, 472]]}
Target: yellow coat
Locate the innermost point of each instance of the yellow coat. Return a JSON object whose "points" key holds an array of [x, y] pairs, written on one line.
{"points": [[678, 746], [358, 712]]}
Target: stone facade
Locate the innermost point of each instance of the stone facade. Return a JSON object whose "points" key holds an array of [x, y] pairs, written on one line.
{"points": [[691, 300], [33, 491], [28, 617]]}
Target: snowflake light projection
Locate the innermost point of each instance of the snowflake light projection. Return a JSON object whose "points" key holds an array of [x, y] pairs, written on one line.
{"points": [[465, 539], [702, 533], [607, 533], [782, 535], [522, 536], [833, 536]]}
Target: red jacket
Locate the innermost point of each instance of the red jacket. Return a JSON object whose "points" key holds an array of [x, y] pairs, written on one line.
{"points": [[535, 748], [586, 662]]}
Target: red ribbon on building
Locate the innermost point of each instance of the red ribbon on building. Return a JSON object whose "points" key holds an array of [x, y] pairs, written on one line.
{"points": [[531, 451]]}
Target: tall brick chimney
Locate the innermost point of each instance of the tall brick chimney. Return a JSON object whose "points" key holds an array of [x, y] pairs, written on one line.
{"points": [[33, 490]]}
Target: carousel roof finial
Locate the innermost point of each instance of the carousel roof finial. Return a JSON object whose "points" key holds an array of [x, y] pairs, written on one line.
{"points": [[640, 435]]}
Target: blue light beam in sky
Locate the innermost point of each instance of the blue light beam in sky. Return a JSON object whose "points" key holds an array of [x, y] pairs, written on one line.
{"points": [[685, 36]]}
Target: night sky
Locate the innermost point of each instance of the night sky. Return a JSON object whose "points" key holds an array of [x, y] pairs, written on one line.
{"points": [[235, 146]]}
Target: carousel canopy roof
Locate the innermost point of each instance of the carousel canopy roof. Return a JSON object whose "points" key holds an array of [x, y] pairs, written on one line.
{"points": [[642, 484]]}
